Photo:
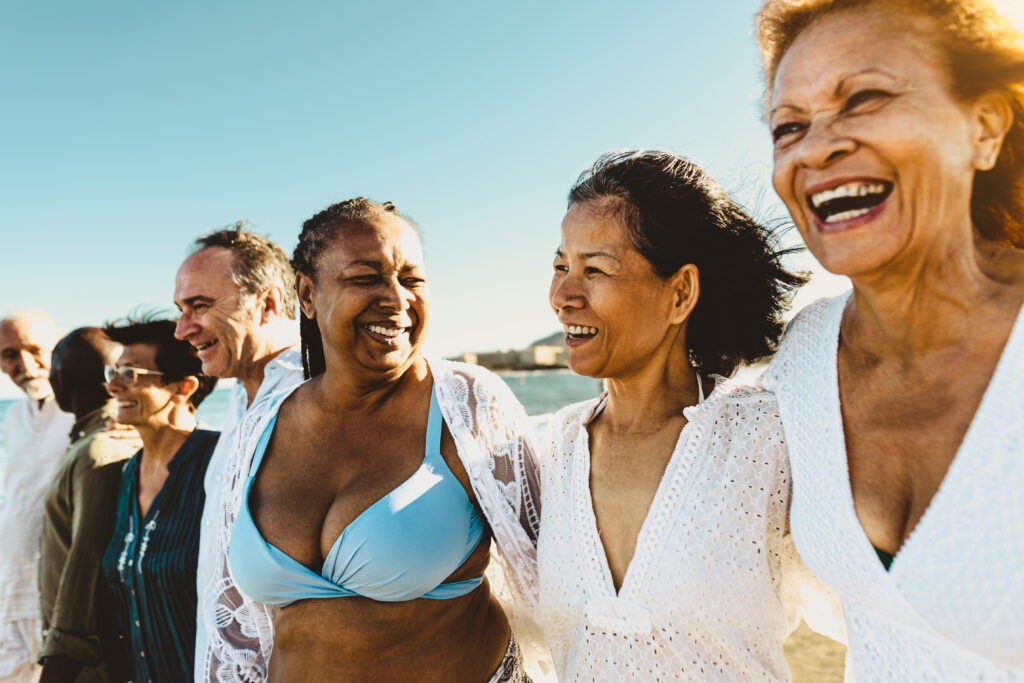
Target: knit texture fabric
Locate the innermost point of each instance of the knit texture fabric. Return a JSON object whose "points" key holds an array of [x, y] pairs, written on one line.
{"points": [[705, 597], [951, 608]]}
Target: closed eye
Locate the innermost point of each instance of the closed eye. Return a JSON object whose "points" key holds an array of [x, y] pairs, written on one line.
{"points": [[783, 129], [862, 97], [591, 270]]}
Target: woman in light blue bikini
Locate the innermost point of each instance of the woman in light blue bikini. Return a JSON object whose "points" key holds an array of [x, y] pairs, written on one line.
{"points": [[364, 556]]}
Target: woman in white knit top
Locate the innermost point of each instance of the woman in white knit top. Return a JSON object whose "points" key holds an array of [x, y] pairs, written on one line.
{"points": [[664, 552], [899, 152]]}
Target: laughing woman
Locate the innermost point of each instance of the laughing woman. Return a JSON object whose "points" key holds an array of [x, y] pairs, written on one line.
{"points": [[664, 551], [899, 151], [359, 531]]}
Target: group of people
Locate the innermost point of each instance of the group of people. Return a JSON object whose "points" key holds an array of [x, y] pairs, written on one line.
{"points": [[676, 527]]}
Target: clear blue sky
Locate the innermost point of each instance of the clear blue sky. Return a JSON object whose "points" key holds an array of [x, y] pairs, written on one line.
{"points": [[129, 128]]}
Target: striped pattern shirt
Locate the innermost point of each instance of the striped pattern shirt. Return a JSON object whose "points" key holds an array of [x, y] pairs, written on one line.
{"points": [[150, 564]]}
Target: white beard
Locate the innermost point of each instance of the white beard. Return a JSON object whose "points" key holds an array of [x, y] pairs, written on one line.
{"points": [[37, 389]]}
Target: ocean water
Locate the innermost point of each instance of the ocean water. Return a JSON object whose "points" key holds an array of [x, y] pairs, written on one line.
{"points": [[540, 391]]}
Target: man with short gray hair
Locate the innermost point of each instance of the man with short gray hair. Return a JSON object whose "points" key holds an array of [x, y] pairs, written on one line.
{"points": [[236, 294]]}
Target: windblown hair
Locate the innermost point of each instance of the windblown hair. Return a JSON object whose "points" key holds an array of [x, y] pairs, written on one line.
{"points": [[175, 358], [676, 214], [982, 52], [317, 233], [258, 263]]}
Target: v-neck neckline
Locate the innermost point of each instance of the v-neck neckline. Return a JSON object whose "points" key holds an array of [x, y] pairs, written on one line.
{"points": [[675, 481], [961, 458]]}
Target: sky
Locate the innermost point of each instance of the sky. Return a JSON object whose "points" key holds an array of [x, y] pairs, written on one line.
{"points": [[131, 128]]}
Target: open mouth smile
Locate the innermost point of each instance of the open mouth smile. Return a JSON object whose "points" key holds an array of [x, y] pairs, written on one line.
{"points": [[387, 334], [205, 345], [579, 334], [848, 201]]}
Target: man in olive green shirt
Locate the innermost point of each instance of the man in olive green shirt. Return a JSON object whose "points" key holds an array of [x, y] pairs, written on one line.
{"points": [[79, 508]]}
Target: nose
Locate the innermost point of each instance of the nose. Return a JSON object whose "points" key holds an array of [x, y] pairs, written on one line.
{"points": [[822, 144], [185, 327], [26, 362], [394, 297], [565, 292]]}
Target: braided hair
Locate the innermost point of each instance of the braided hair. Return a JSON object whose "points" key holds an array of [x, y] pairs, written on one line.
{"points": [[317, 233]]}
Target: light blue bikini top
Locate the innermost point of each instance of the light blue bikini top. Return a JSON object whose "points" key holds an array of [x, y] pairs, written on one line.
{"points": [[400, 548]]}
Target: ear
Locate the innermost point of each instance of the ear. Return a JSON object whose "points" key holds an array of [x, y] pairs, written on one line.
{"points": [[307, 296], [272, 304], [186, 388], [993, 117], [685, 284]]}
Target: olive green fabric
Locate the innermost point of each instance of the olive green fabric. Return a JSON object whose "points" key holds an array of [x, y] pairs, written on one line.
{"points": [[78, 519]]}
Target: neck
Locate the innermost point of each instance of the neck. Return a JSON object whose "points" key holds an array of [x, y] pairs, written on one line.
{"points": [[933, 303], [344, 388], [162, 440], [658, 391], [82, 407], [279, 338]]}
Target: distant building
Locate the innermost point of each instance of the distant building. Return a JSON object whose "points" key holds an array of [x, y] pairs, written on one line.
{"points": [[549, 352]]}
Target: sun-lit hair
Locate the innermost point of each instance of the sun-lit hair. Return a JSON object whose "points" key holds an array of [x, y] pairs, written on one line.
{"points": [[317, 233], [983, 51], [676, 214]]}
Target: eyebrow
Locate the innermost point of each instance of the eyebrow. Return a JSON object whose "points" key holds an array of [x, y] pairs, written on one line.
{"points": [[588, 254], [839, 87]]}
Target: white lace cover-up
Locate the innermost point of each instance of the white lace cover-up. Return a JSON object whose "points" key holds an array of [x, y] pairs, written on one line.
{"points": [[951, 608], [704, 597], [494, 442]]}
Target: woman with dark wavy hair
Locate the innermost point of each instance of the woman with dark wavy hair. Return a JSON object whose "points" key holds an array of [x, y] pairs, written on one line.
{"points": [[898, 129], [664, 549]]}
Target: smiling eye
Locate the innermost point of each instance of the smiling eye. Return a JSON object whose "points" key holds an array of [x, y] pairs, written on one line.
{"points": [[591, 270], [783, 129], [862, 97], [412, 281], [561, 268]]}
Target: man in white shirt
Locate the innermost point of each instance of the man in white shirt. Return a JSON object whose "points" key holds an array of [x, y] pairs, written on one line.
{"points": [[236, 294], [36, 434]]}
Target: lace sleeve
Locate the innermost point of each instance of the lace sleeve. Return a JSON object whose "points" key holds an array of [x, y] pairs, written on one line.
{"points": [[240, 633], [495, 442]]}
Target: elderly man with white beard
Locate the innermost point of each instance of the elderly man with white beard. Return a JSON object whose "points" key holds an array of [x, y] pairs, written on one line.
{"points": [[36, 434]]}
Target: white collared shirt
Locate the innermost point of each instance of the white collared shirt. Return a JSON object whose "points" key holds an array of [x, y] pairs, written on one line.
{"points": [[284, 372], [34, 440]]}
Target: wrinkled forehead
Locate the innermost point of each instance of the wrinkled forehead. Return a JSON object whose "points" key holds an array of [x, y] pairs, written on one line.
{"points": [[21, 332], [847, 42], [388, 240], [208, 272]]}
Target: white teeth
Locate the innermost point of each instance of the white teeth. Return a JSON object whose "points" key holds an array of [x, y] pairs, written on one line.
{"points": [[580, 329], [854, 189], [846, 215], [386, 331]]}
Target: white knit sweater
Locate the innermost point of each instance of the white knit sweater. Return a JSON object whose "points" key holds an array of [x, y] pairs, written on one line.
{"points": [[952, 606], [705, 595]]}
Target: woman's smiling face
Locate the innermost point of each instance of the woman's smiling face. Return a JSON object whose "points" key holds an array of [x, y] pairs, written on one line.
{"points": [[370, 297], [612, 305], [874, 157]]}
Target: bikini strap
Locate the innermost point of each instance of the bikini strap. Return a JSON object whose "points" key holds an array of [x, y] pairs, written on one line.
{"points": [[435, 423]]}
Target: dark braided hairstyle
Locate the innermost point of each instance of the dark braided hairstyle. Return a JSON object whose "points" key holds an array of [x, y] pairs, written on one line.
{"points": [[317, 233], [676, 214]]}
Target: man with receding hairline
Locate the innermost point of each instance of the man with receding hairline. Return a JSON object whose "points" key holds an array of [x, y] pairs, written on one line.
{"points": [[236, 294], [35, 436]]}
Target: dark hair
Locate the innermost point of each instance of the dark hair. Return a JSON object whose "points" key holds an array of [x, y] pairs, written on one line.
{"points": [[676, 214], [175, 358], [258, 263], [982, 52], [316, 233]]}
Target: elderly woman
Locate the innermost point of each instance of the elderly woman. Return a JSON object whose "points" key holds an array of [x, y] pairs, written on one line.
{"points": [[360, 528], [664, 552], [899, 152]]}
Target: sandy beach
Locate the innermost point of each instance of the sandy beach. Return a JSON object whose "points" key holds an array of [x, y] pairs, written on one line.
{"points": [[813, 658]]}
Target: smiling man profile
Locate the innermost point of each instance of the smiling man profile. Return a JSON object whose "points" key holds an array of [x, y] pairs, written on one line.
{"points": [[236, 294], [35, 436]]}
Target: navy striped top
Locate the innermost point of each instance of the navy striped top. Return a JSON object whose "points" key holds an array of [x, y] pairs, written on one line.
{"points": [[150, 565]]}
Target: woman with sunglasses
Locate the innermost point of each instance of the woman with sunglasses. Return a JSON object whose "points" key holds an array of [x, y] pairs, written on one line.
{"points": [[150, 562]]}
